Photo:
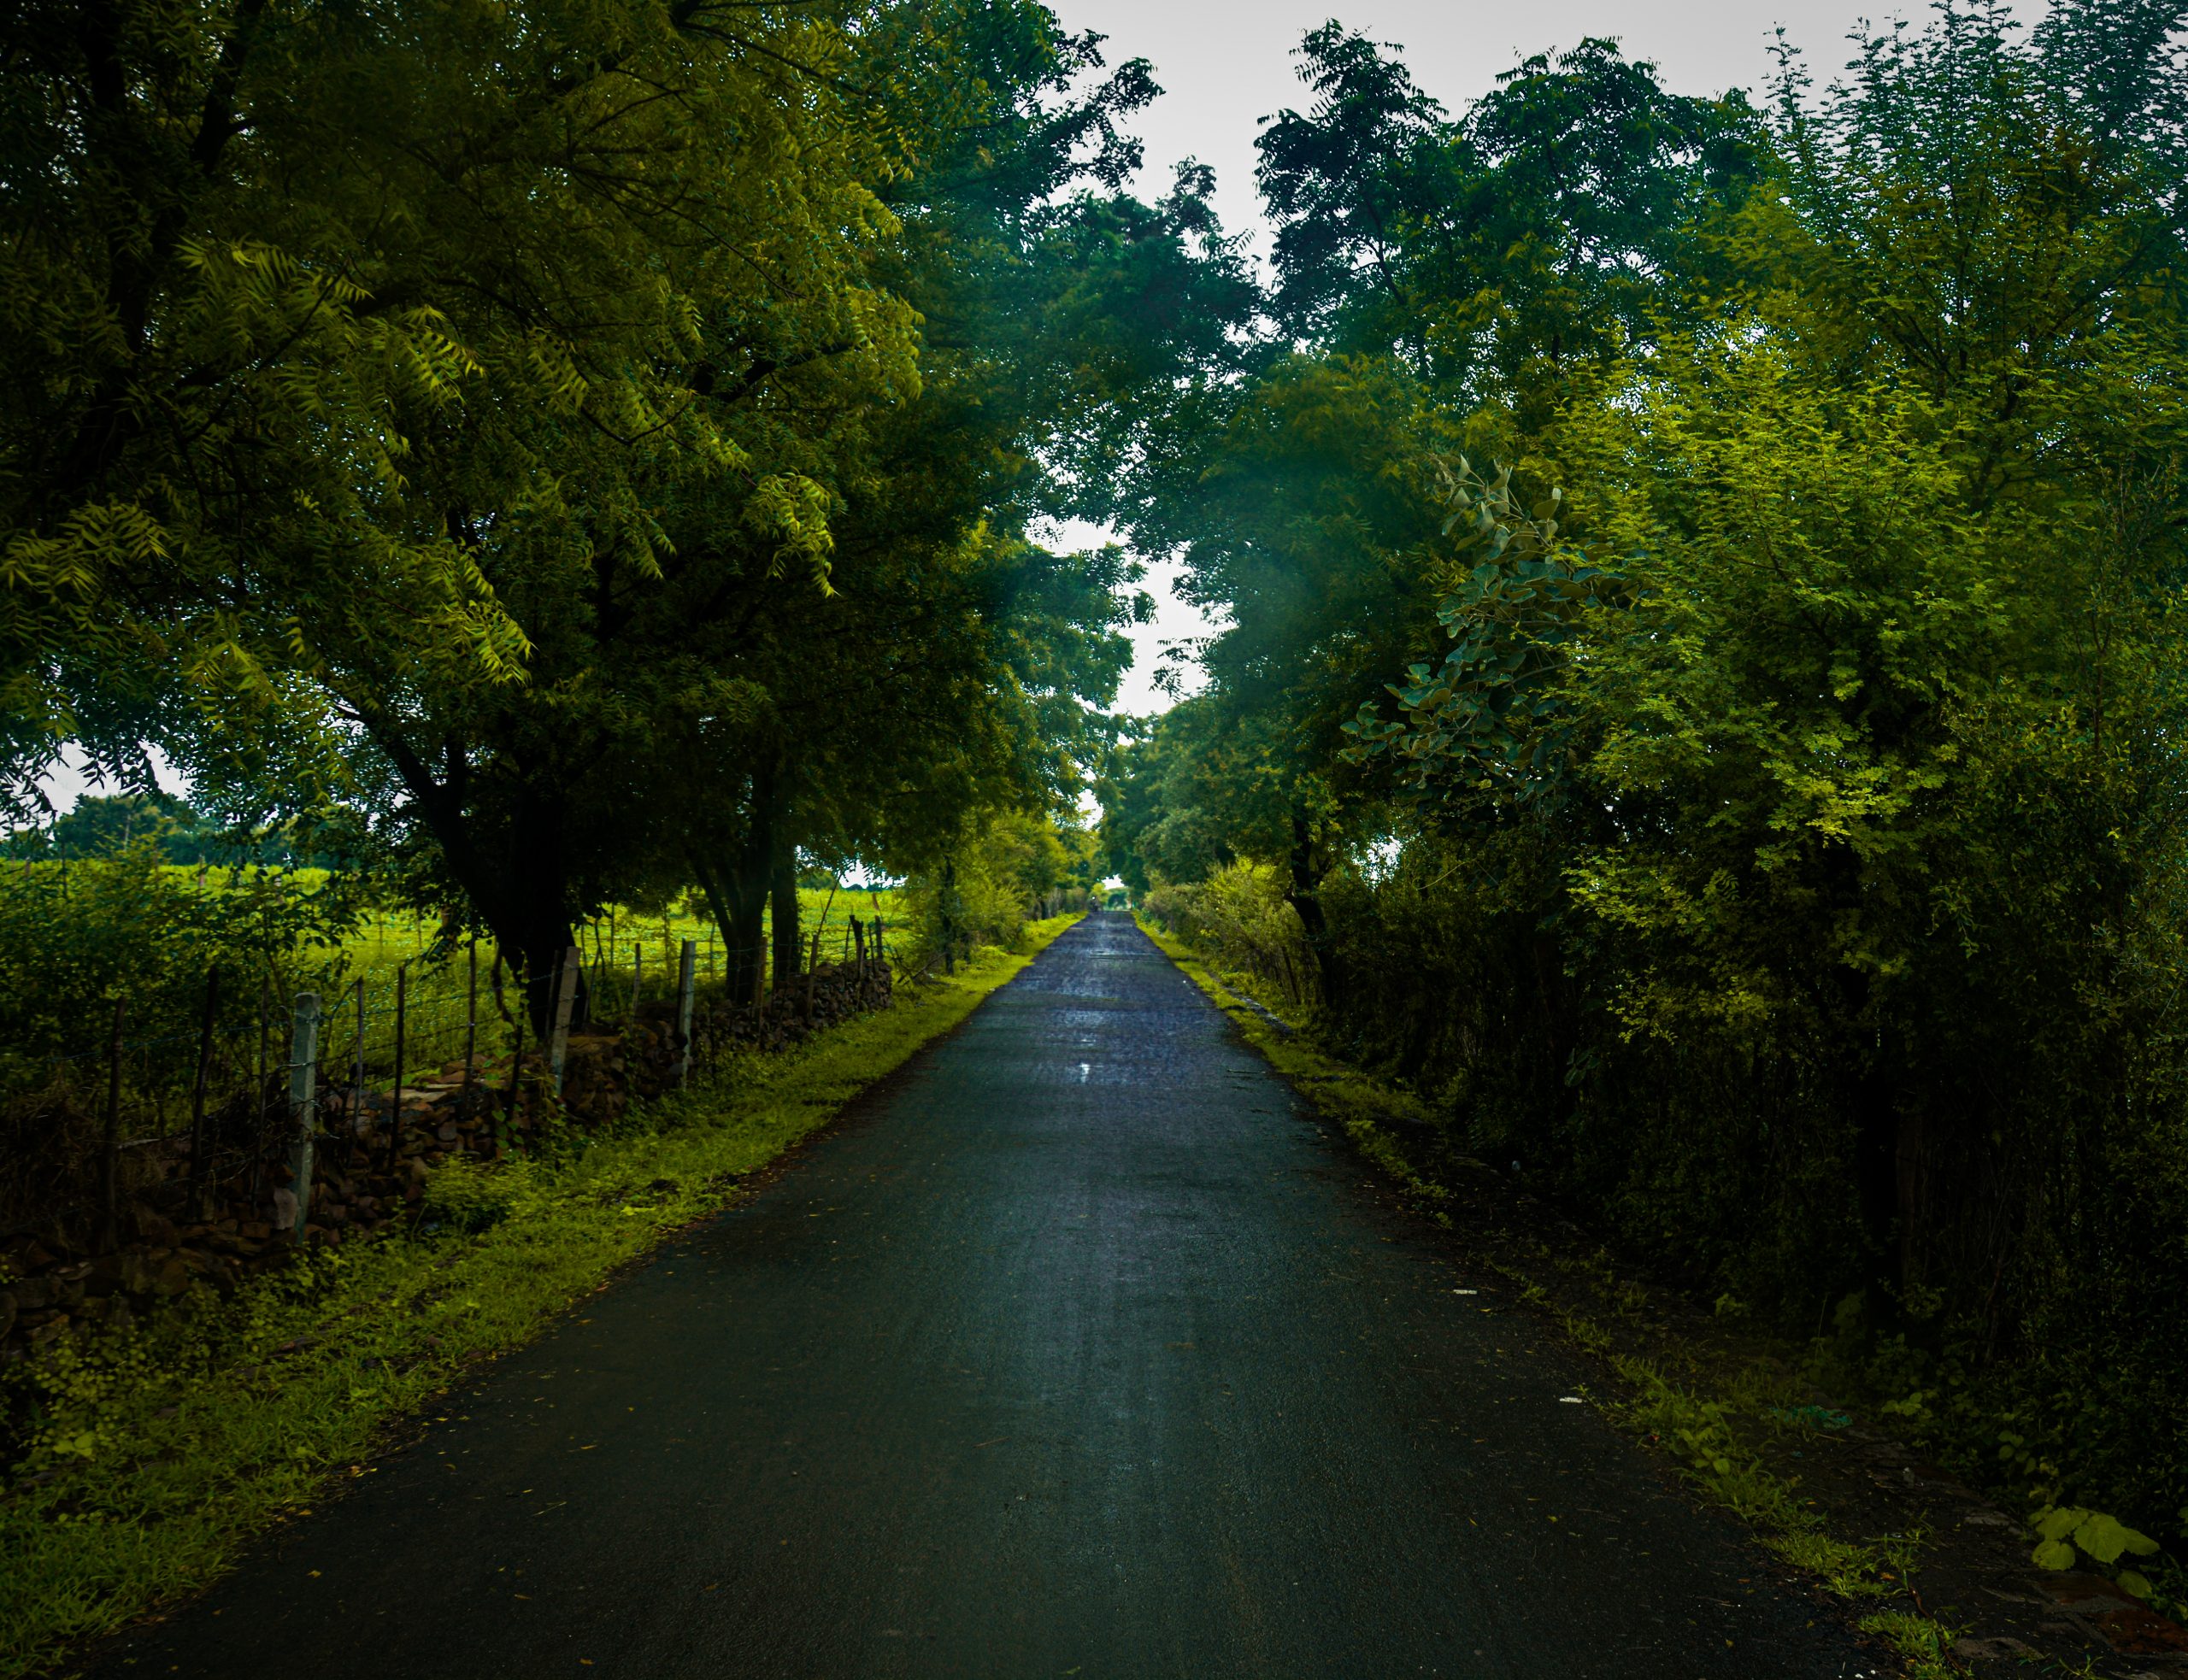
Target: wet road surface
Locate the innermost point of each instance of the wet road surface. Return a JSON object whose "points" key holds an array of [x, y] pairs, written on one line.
{"points": [[1079, 1350]]}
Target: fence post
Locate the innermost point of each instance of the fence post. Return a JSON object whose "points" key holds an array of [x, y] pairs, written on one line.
{"points": [[110, 1145], [394, 1101], [304, 1107], [357, 1096], [687, 978], [201, 1147], [638, 974], [812, 976], [470, 1033], [264, 1040], [566, 986], [516, 1045]]}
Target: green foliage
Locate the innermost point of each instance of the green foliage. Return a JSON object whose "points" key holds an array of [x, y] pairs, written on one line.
{"points": [[78, 937], [592, 445], [2067, 1533], [1239, 920], [1488, 722], [989, 886]]}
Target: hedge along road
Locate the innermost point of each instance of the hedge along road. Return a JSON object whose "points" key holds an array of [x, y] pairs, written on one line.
{"points": [[1078, 1348]]}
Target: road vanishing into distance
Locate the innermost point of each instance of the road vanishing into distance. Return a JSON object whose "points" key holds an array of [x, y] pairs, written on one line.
{"points": [[1078, 1349]]}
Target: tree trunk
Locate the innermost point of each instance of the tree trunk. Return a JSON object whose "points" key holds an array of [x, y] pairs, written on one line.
{"points": [[523, 895], [1304, 898], [539, 927], [736, 878]]}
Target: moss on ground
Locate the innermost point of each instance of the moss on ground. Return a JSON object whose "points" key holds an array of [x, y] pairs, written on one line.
{"points": [[155, 1455]]}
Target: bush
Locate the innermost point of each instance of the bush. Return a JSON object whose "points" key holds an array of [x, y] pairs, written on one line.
{"points": [[984, 889], [1237, 920]]}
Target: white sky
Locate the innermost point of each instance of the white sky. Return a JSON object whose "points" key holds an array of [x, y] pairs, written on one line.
{"points": [[1224, 66]]}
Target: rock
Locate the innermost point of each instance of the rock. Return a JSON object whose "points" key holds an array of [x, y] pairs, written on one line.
{"points": [[7, 1312], [128, 1271], [2141, 1631], [173, 1277], [285, 1210], [31, 1295], [27, 1255], [256, 1230]]}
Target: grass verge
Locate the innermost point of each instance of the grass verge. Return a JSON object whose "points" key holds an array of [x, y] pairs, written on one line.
{"points": [[1702, 1431], [154, 1456]]}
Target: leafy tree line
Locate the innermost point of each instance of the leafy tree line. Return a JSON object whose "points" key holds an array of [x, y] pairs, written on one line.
{"points": [[1699, 675], [575, 451]]}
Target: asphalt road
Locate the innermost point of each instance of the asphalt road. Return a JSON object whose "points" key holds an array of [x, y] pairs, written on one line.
{"points": [[1080, 1349]]}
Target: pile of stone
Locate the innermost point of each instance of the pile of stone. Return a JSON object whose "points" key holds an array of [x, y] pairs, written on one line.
{"points": [[807, 1004]]}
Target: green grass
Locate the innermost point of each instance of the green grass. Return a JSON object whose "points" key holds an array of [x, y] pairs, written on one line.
{"points": [[169, 1447], [626, 954], [1923, 1644], [385, 939]]}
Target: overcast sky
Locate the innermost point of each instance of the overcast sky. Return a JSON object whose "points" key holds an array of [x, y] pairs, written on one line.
{"points": [[1223, 66]]}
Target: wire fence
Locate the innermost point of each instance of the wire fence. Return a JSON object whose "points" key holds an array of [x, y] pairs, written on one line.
{"points": [[283, 1108]]}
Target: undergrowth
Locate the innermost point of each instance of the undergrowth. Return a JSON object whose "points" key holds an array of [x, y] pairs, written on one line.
{"points": [[149, 1457]]}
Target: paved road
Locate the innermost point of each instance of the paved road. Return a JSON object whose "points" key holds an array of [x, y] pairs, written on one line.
{"points": [[1079, 1350]]}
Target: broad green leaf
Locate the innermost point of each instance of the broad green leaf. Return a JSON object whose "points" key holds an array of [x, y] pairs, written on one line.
{"points": [[2055, 1554]]}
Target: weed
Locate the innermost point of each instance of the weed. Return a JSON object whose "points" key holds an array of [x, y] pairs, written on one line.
{"points": [[1925, 1645]]}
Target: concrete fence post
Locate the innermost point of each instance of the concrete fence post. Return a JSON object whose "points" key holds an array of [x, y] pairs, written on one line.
{"points": [[303, 1101], [566, 986]]}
